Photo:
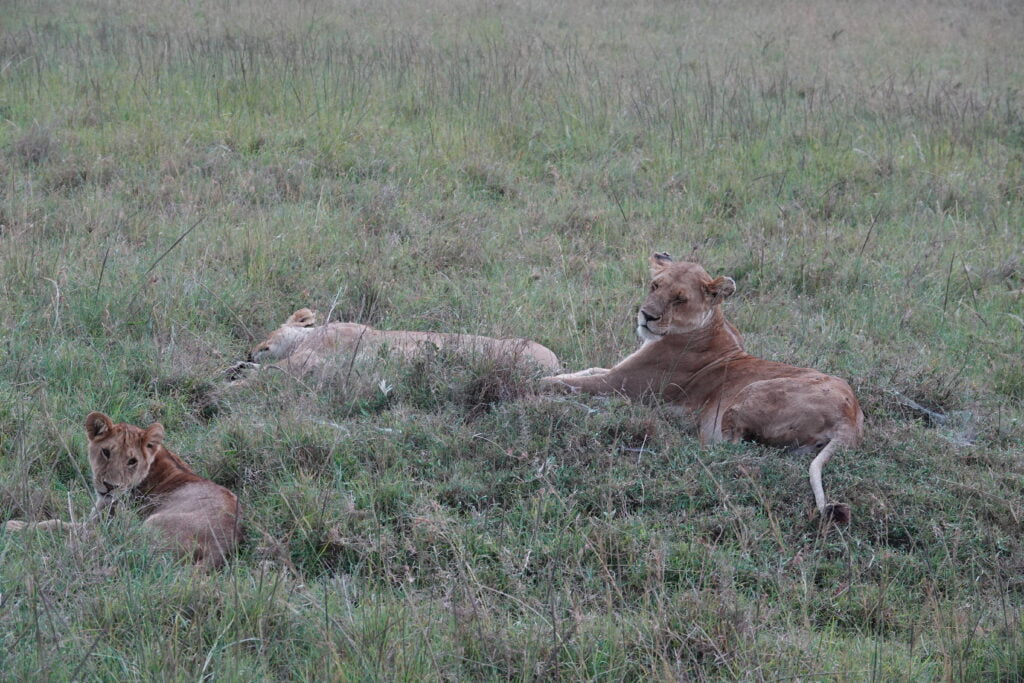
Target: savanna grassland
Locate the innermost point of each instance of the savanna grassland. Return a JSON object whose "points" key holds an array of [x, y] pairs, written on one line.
{"points": [[177, 177]]}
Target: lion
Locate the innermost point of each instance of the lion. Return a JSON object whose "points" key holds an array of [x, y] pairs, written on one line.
{"points": [[693, 358], [193, 516], [299, 346]]}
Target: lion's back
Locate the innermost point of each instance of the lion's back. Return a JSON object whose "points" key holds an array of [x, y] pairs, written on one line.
{"points": [[201, 518]]}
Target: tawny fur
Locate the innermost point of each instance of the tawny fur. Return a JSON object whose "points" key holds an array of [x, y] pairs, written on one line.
{"points": [[693, 358], [299, 346], [193, 516]]}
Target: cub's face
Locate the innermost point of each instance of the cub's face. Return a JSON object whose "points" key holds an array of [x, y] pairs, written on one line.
{"points": [[682, 298], [120, 455], [283, 340]]}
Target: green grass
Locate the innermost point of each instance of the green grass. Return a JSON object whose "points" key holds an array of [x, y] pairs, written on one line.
{"points": [[506, 170]]}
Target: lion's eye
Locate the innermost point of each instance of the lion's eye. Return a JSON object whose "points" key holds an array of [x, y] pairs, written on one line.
{"points": [[681, 300], [654, 286], [106, 453], [131, 463]]}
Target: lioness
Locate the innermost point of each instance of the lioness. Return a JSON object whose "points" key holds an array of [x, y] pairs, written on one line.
{"points": [[299, 345], [193, 515], [693, 358]]}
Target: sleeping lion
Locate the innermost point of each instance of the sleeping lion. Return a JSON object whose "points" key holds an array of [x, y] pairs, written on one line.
{"points": [[300, 346]]}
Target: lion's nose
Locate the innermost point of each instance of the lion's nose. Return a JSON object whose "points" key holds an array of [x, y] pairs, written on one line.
{"points": [[108, 487], [648, 317]]}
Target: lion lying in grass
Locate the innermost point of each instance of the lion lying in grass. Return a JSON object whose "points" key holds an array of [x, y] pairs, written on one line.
{"points": [[693, 358], [299, 346], [193, 515]]}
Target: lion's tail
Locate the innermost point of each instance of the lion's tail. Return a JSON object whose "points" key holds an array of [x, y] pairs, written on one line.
{"points": [[837, 511]]}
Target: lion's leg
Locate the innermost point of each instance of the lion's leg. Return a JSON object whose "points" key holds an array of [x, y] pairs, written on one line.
{"points": [[719, 422], [757, 415], [59, 525], [102, 504], [191, 535], [240, 372], [588, 384], [836, 511], [175, 530], [47, 525], [589, 372]]}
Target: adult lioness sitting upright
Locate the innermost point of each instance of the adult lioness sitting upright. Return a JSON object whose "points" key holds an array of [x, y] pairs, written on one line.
{"points": [[694, 358], [193, 515]]}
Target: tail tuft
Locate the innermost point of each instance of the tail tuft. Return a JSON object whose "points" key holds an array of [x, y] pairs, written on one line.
{"points": [[838, 513]]}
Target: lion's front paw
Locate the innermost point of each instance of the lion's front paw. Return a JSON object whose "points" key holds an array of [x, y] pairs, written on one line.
{"points": [[15, 525], [554, 383], [240, 370]]}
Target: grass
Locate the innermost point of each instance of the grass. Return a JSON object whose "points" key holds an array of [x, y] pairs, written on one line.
{"points": [[177, 179]]}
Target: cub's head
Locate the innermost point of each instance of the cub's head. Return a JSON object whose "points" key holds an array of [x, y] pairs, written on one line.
{"points": [[120, 454], [682, 298], [282, 340]]}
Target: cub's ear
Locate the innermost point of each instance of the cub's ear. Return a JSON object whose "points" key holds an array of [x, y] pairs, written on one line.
{"points": [[97, 426], [153, 436], [659, 261], [301, 318], [720, 289]]}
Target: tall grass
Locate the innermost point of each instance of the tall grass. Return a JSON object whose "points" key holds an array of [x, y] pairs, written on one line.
{"points": [[176, 179]]}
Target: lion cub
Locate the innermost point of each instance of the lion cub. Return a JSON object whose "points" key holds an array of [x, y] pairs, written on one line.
{"points": [[193, 515]]}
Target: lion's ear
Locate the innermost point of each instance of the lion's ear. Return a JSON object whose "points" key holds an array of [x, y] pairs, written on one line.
{"points": [[153, 436], [301, 318], [98, 426], [659, 261], [720, 289]]}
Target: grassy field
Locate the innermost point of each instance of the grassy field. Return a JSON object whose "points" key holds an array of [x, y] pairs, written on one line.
{"points": [[177, 177]]}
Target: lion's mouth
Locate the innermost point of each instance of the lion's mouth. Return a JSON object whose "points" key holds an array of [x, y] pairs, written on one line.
{"points": [[647, 333]]}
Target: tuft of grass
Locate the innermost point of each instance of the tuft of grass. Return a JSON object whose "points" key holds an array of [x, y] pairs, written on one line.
{"points": [[35, 146]]}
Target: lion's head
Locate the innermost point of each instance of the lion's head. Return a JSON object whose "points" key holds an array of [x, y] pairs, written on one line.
{"points": [[120, 454], [682, 298], [283, 340]]}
